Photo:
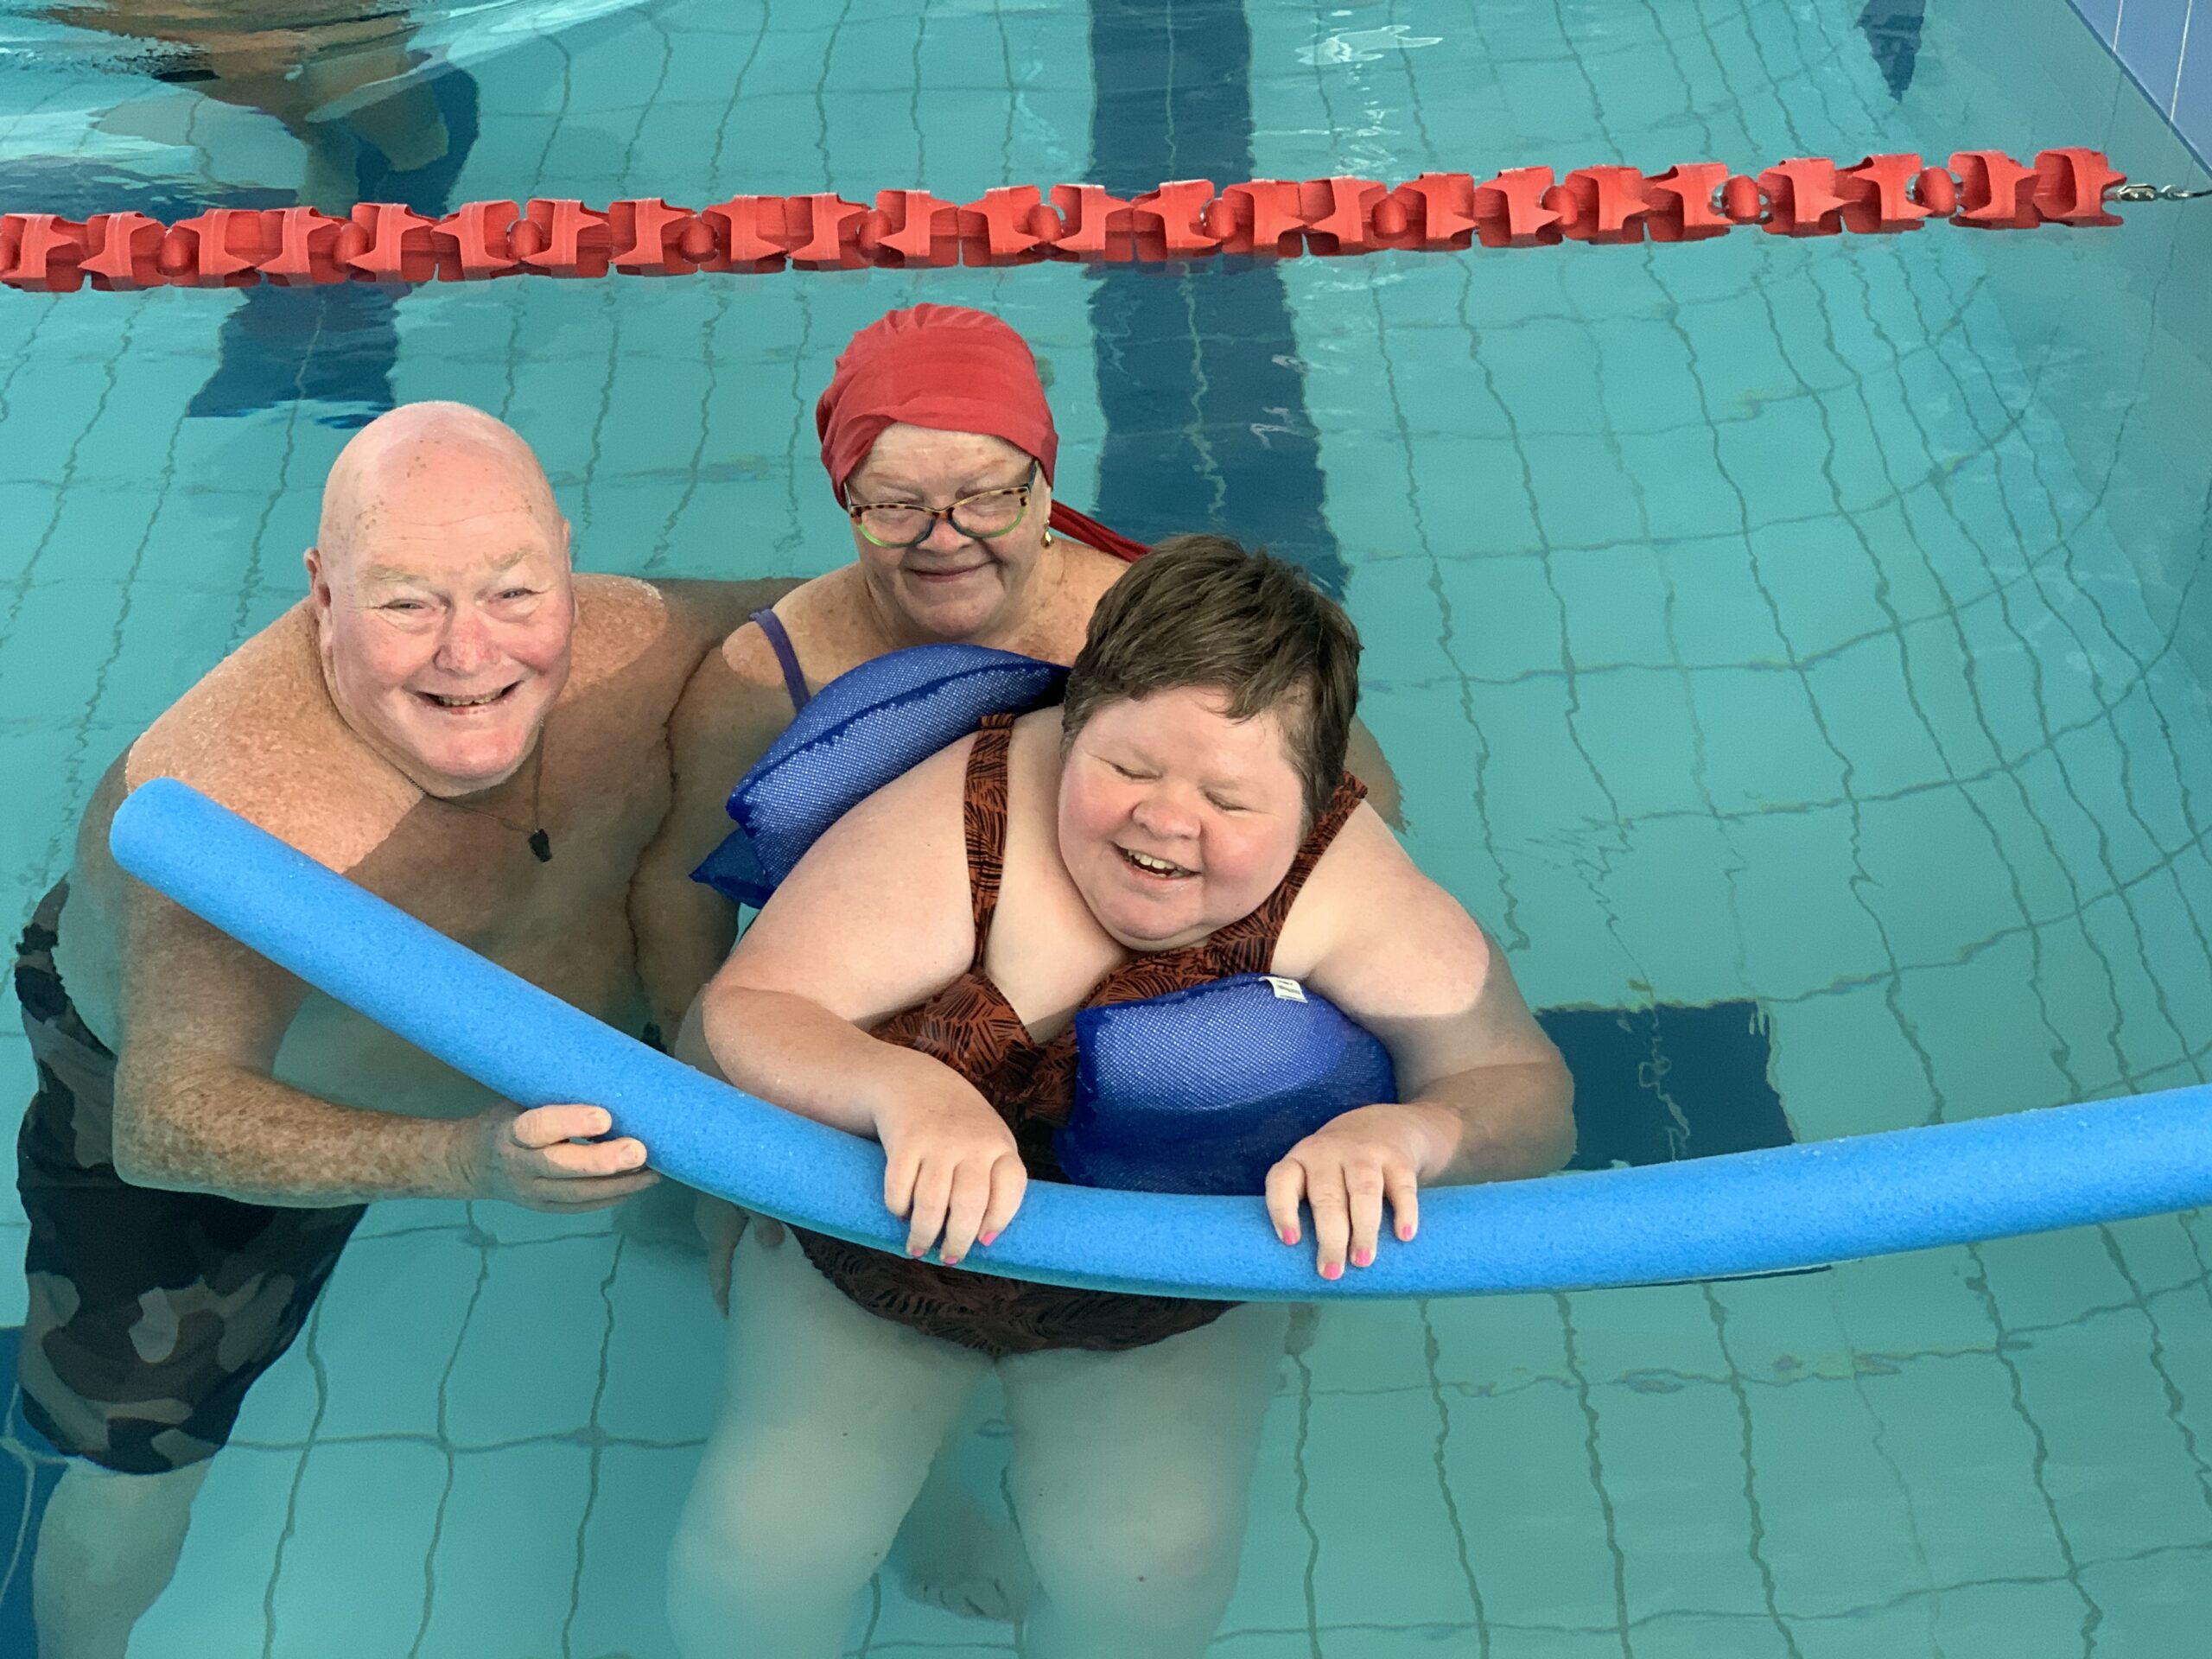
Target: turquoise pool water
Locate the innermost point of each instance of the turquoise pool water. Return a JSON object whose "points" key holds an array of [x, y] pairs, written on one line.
{"points": [[1815, 629]]}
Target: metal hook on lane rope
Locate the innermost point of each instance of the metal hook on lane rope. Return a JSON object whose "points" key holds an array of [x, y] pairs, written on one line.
{"points": [[2155, 192]]}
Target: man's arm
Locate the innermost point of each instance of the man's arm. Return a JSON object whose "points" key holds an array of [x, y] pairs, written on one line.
{"points": [[196, 1108], [724, 721]]}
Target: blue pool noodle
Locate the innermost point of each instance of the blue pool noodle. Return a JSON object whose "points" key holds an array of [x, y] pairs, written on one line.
{"points": [[1748, 1212]]}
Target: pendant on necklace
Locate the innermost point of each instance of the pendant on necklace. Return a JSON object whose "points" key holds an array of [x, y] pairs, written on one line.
{"points": [[542, 844]]}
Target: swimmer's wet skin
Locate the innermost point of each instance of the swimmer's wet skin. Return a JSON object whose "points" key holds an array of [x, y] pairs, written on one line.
{"points": [[930, 405], [391, 725], [1183, 817]]}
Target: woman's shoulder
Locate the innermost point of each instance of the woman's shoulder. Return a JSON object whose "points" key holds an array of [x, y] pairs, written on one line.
{"points": [[1033, 749], [888, 832], [1363, 889], [821, 618], [1089, 574]]}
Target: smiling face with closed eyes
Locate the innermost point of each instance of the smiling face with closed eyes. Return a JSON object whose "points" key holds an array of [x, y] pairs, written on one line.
{"points": [[1175, 819], [442, 596]]}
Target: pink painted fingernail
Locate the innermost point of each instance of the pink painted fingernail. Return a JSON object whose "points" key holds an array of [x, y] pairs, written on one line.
{"points": [[1405, 1232], [1363, 1257], [913, 1254], [988, 1240], [950, 1260], [1289, 1235], [1333, 1270]]}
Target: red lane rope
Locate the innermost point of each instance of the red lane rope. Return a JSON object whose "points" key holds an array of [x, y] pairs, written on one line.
{"points": [[1013, 225]]}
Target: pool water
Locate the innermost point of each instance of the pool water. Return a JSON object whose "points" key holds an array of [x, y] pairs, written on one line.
{"points": [[1815, 630]]}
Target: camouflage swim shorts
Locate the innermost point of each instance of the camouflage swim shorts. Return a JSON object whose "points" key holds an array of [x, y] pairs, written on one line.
{"points": [[151, 1312]]}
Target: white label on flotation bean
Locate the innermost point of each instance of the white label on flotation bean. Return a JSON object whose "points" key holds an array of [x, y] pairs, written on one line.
{"points": [[1288, 990]]}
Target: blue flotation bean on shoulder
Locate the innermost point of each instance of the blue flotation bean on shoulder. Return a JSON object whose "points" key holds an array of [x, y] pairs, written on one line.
{"points": [[1200, 1091], [864, 728], [1204, 1090]]}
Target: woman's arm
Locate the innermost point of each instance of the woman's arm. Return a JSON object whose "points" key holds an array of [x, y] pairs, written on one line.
{"points": [[1483, 1094], [875, 918], [728, 717]]}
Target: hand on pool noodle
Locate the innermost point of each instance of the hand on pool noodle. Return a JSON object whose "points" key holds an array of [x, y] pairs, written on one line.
{"points": [[1746, 1212]]}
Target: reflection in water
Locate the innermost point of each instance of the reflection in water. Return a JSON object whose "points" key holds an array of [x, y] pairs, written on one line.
{"points": [[379, 119], [297, 66], [1892, 31], [335, 345]]}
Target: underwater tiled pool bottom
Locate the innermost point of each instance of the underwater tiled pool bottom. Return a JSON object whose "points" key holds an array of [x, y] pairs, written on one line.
{"points": [[1828, 641], [480, 1444]]}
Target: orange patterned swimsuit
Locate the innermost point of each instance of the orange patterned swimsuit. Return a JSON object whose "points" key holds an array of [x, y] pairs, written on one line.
{"points": [[972, 1027]]}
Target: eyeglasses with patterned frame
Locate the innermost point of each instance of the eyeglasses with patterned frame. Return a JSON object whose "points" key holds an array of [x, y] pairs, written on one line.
{"points": [[982, 517]]}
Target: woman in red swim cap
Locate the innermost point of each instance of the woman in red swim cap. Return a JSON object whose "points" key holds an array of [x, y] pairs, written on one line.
{"points": [[940, 450]]}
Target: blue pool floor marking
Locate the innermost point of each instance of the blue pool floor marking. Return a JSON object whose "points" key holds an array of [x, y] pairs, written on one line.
{"points": [[30, 1466], [1668, 1081], [1198, 373], [336, 345], [1892, 29]]}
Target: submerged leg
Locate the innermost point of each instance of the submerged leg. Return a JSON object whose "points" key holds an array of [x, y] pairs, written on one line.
{"points": [[953, 1552], [830, 1416], [1131, 1478], [106, 1549]]}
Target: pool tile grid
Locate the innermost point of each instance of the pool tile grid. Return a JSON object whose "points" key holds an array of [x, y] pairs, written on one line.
{"points": [[2192, 841], [2167, 49], [1837, 704], [1582, 1468], [1337, 1631]]}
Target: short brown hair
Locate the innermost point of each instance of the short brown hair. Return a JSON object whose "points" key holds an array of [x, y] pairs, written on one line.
{"points": [[1201, 611]]}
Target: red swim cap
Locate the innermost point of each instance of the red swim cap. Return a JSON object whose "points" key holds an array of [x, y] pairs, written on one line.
{"points": [[953, 370]]}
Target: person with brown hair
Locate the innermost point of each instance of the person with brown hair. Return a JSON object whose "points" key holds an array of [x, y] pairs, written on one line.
{"points": [[1183, 817], [943, 455], [941, 449]]}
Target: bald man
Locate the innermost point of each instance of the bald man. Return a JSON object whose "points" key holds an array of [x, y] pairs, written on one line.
{"points": [[458, 722]]}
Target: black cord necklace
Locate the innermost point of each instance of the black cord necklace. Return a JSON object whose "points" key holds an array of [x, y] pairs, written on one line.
{"points": [[540, 844]]}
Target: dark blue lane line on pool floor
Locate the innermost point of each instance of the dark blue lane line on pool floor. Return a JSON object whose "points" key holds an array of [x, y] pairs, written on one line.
{"points": [[1199, 373], [333, 346], [29, 1469], [1657, 1083]]}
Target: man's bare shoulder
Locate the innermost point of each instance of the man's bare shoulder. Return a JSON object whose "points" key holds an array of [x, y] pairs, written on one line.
{"points": [[620, 611], [258, 733], [717, 608]]}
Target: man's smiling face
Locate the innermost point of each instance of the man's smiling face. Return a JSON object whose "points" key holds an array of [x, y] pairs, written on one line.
{"points": [[443, 599]]}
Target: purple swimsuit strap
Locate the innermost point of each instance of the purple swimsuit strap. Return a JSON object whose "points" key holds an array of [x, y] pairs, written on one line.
{"points": [[780, 641]]}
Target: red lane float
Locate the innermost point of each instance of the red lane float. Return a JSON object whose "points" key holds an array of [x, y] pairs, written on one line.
{"points": [[1014, 224]]}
